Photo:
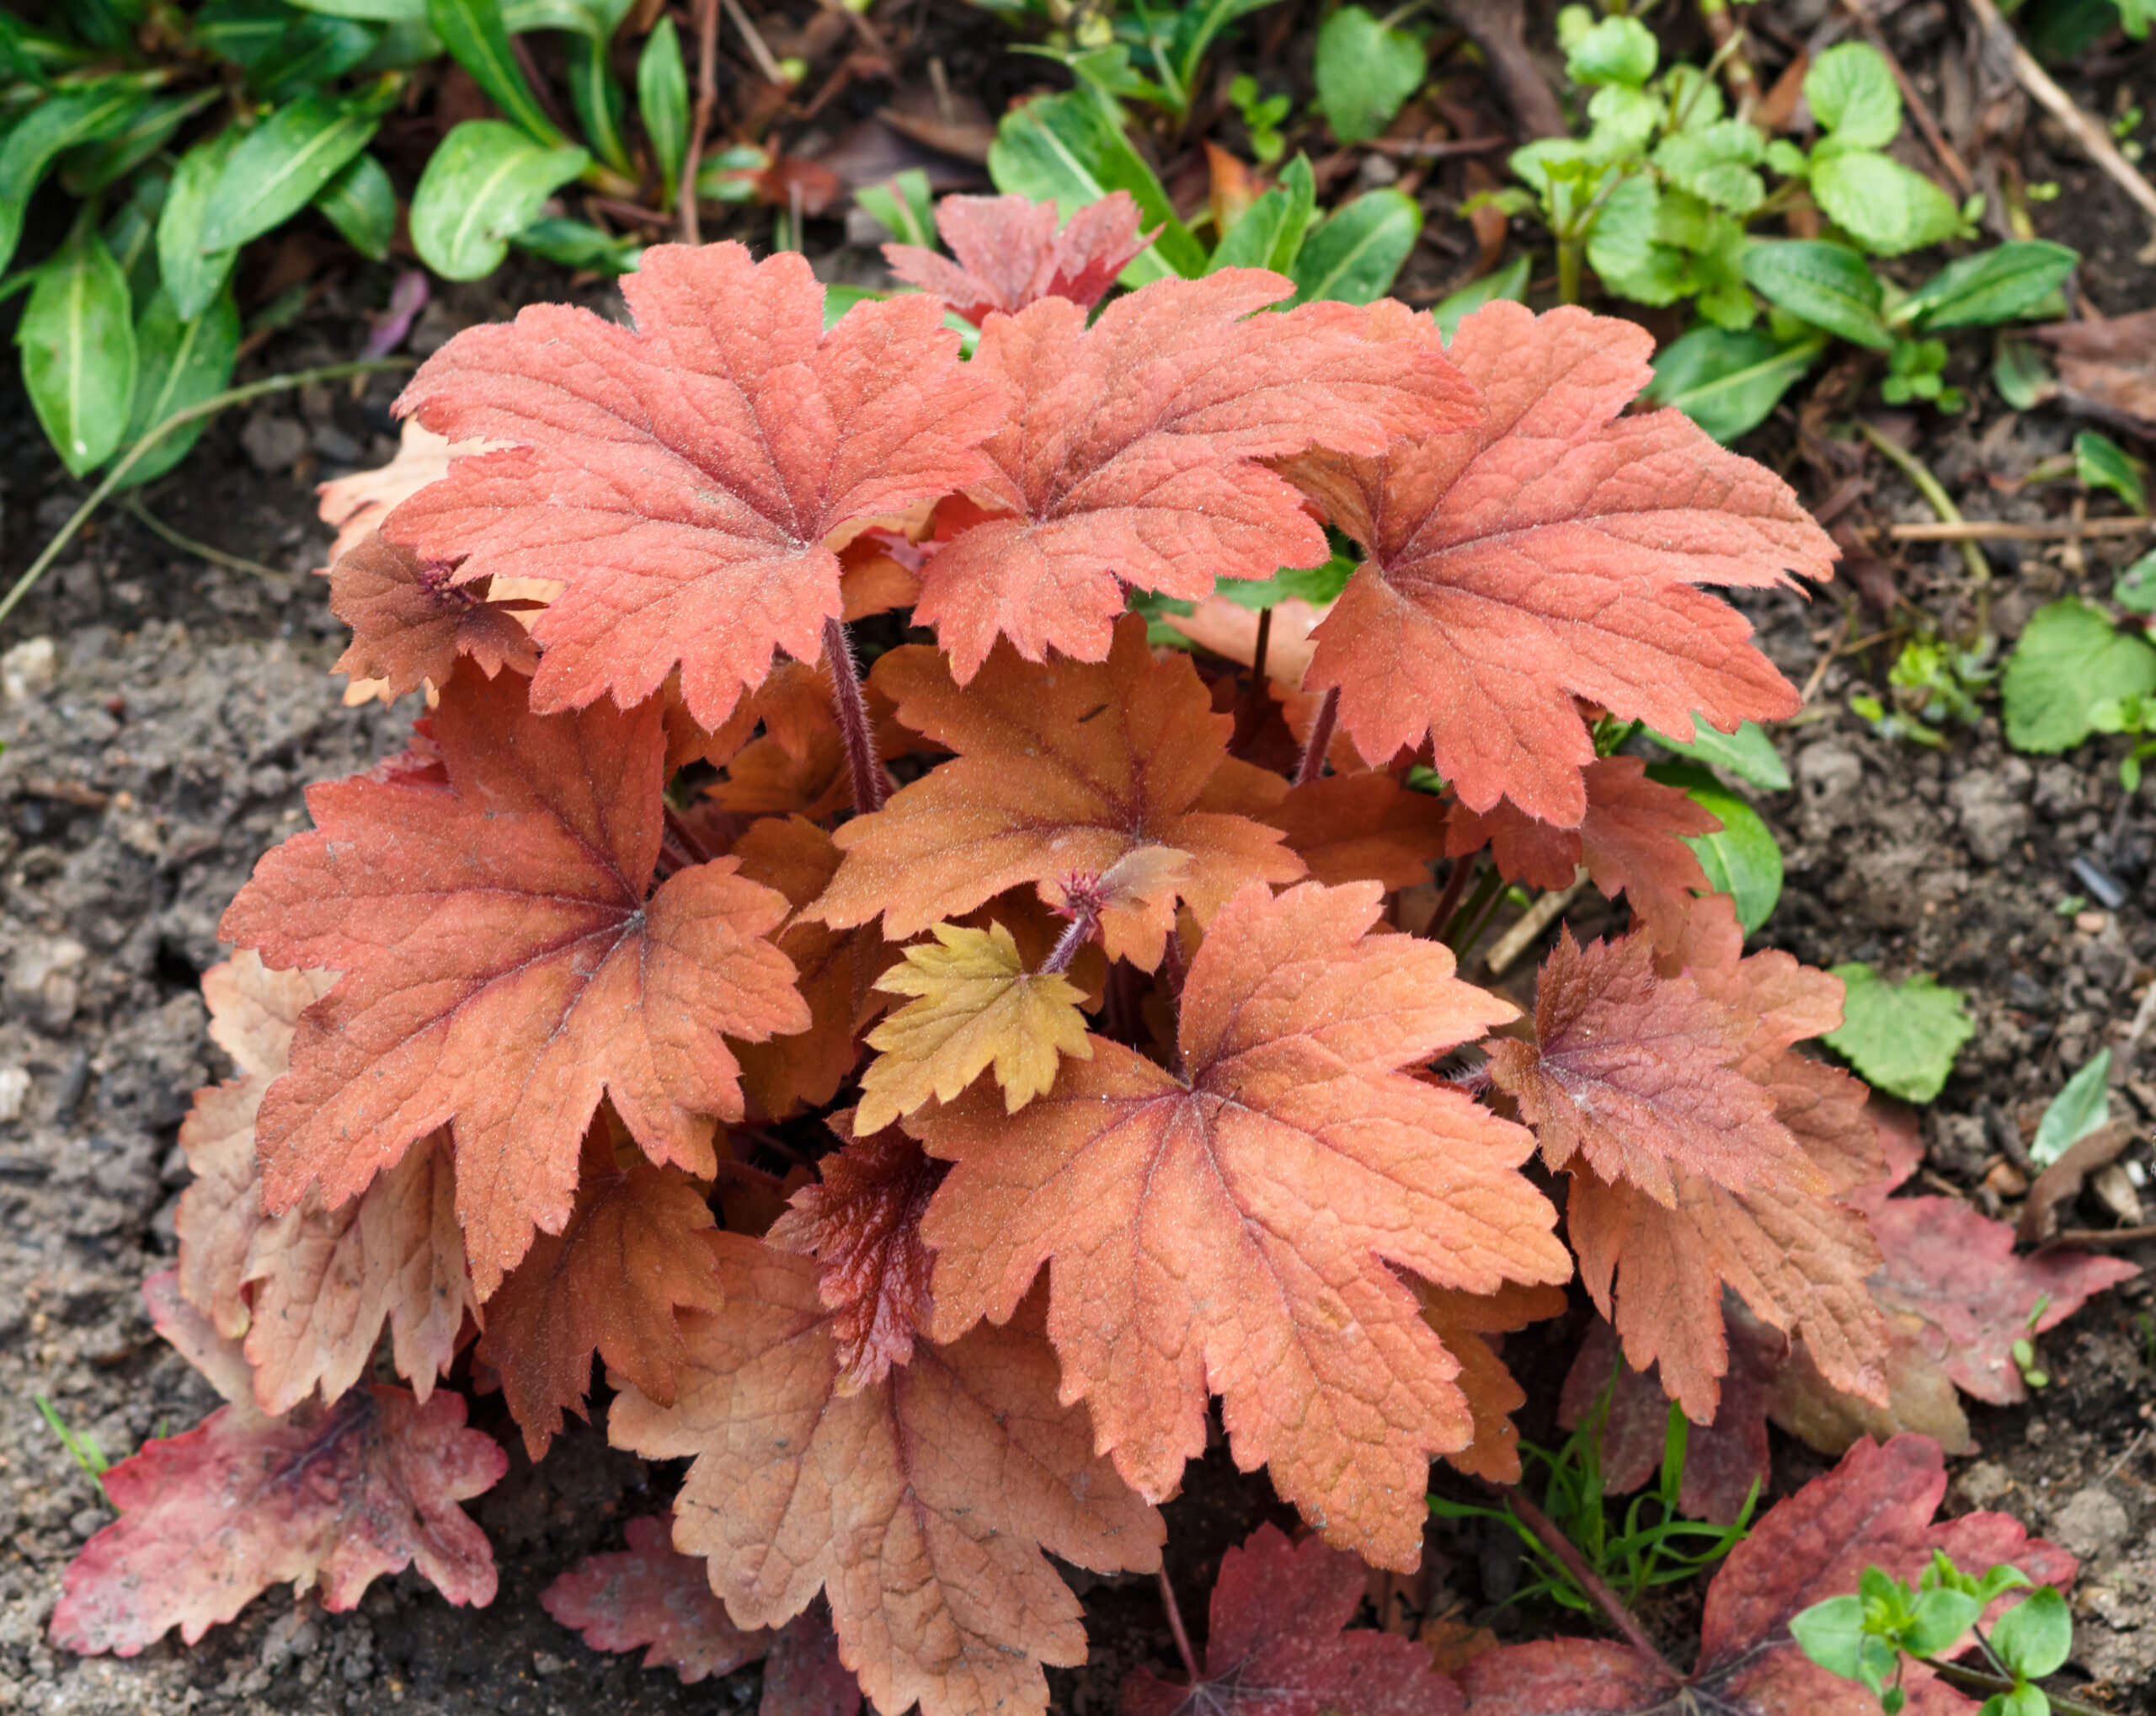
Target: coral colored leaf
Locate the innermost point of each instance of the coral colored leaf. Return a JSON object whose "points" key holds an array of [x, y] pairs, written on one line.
{"points": [[974, 1004], [410, 620], [1011, 253], [651, 1593], [1550, 549], [331, 1496], [1874, 1509], [504, 962], [1465, 1322], [680, 479], [608, 1283], [862, 1223], [1131, 455], [1230, 1231], [1638, 1073], [1354, 827], [1059, 771], [1279, 1644], [920, 1504]]}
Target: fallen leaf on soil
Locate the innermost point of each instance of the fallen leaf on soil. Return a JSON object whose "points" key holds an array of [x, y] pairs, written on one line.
{"points": [[1058, 775], [2060, 1183], [2109, 364], [1132, 454], [1549, 550], [1230, 1233], [410, 620], [1279, 1644], [680, 479], [1465, 1322], [331, 1496], [974, 1004], [862, 1223], [608, 1283], [1875, 1508], [503, 967], [920, 1505], [1011, 253], [1352, 827]]}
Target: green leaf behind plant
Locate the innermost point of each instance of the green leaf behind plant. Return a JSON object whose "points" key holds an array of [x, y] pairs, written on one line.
{"points": [[1902, 1037]]}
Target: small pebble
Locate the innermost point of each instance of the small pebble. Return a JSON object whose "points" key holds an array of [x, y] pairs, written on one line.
{"points": [[2092, 1522]]}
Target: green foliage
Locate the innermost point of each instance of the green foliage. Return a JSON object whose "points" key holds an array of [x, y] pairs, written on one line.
{"points": [[484, 184], [1870, 1635], [1366, 70], [2102, 463], [1727, 383], [1742, 857], [80, 1444], [1139, 54], [1931, 683], [2070, 660], [1261, 114], [1902, 1037], [1509, 281], [2083, 1104], [1747, 753], [2134, 716], [1066, 149], [2136, 589], [79, 353]]}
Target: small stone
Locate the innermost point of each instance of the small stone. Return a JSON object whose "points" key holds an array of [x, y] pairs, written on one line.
{"points": [[2113, 1186], [88, 1521], [42, 979], [273, 442], [2092, 1524], [28, 669], [2091, 922], [1985, 1483], [14, 1090], [1961, 1145], [545, 1662]]}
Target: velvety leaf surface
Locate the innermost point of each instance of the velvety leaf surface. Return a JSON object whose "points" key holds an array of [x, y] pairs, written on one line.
{"points": [[680, 479], [333, 1497], [503, 967], [920, 1504], [1473, 1326], [1059, 774], [1354, 828], [1549, 549], [222, 1360], [1131, 455], [1010, 254], [1279, 1644], [1229, 1230], [410, 620], [608, 1283], [652, 1594], [862, 1223]]}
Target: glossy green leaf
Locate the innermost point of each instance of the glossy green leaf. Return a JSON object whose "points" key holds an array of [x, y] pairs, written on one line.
{"points": [[280, 166], [55, 123], [904, 205], [2102, 463], [662, 102], [1357, 254], [1365, 72], [1270, 233], [1742, 857], [369, 11], [1884, 206], [179, 363], [578, 244], [191, 274], [131, 234], [1062, 148], [1850, 90], [311, 53], [2069, 659], [601, 107], [474, 36], [241, 31], [2036, 1635], [1727, 383], [1747, 753], [361, 204], [90, 168], [486, 182], [78, 341], [1828, 285], [1902, 1037], [1993, 286], [1509, 282], [2083, 1104]]}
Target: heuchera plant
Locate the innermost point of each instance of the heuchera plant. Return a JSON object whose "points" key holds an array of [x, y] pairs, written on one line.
{"points": [[1080, 970]]}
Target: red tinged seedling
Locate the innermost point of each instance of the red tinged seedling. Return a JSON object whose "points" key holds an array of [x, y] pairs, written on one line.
{"points": [[1011, 253]]}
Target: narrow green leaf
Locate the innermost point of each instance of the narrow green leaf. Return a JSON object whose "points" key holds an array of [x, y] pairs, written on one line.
{"points": [[312, 51], [1365, 72], [180, 363], [241, 31], [55, 123], [474, 36], [2083, 1104], [1062, 148], [192, 276], [904, 205], [361, 204], [90, 168], [1355, 256], [662, 102], [1829, 285], [1747, 753], [2069, 659], [280, 166], [1995, 285], [132, 233], [485, 184], [2024, 380], [1902, 1037], [1509, 282], [600, 107], [2102, 463], [369, 11], [576, 244], [77, 340]]}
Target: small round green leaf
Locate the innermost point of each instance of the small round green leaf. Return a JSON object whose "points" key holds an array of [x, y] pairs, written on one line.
{"points": [[1616, 50], [2035, 1636], [2069, 659], [1832, 1633], [1364, 72], [1850, 90]]}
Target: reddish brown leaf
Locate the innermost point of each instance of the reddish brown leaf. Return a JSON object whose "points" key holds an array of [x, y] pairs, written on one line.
{"points": [[1010, 254], [1059, 772], [503, 967], [1230, 1233], [410, 620], [608, 1283], [1348, 827], [920, 1504], [1548, 550], [1279, 1644], [331, 1496], [1130, 457], [2107, 367], [221, 1360], [1466, 1323], [1778, 1001], [680, 480], [1874, 1509], [863, 1225], [1641, 1075], [805, 1674], [650, 1594]]}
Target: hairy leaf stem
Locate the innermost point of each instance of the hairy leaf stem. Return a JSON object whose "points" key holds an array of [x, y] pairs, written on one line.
{"points": [[1176, 1626], [1320, 740], [851, 708]]}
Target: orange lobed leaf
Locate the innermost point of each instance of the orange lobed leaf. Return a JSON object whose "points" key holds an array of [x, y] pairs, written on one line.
{"points": [[1874, 1509], [1465, 1322], [331, 1496], [503, 966], [1350, 827], [1230, 1231], [1059, 772], [920, 1504], [864, 1224], [1010, 254], [410, 620], [608, 1283], [1549, 549], [681, 479], [1632, 839], [1279, 1644], [1130, 457]]}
